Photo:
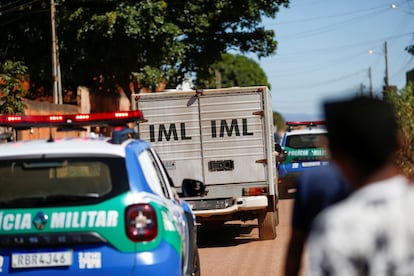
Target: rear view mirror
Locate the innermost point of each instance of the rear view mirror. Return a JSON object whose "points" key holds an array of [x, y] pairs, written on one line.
{"points": [[191, 188], [7, 136], [278, 148]]}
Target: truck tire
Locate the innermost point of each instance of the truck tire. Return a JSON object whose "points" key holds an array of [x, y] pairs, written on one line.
{"points": [[267, 225]]}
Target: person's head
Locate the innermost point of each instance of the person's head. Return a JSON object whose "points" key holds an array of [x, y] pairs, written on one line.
{"points": [[362, 131]]}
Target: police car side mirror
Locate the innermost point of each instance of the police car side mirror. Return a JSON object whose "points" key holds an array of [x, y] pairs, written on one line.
{"points": [[6, 137], [191, 188], [278, 148]]}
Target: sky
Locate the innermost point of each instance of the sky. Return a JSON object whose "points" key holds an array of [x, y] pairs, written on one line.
{"points": [[328, 49]]}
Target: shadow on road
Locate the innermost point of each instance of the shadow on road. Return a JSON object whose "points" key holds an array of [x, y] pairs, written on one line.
{"points": [[229, 234]]}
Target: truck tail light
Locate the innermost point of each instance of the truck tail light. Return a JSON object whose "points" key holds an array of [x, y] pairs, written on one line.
{"points": [[254, 191], [141, 222]]}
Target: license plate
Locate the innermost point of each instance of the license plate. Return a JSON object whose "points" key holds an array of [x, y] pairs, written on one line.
{"points": [[39, 259], [311, 164], [210, 204]]}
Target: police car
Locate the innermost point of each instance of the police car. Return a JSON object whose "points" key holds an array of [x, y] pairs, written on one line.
{"points": [[102, 205], [302, 147]]}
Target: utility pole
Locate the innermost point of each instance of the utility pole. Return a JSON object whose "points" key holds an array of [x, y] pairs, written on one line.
{"points": [[218, 78], [386, 80], [386, 88], [57, 81], [370, 82]]}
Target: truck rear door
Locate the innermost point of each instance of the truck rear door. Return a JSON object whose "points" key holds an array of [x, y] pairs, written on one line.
{"points": [[173, 129], [233, 144], [217, 137]]}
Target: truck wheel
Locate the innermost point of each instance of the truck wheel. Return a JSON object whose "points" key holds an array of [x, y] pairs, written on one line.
{"points": [[267, 225]]}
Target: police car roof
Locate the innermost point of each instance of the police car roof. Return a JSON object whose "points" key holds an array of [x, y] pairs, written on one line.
{"points": [[65, 147]]}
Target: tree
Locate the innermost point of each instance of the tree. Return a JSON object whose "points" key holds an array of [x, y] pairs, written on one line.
{"points": [[234, 70], [12, 88], [26, 37], [279, 121], [404, 105], [102, 42]]}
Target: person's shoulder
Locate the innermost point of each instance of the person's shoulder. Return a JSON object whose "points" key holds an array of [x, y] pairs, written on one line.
{"points": [[403, 198], [343, 212], [349, 209]]}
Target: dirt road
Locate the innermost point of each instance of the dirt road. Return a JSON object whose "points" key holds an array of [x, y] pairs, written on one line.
{"points": [[236, 250]]}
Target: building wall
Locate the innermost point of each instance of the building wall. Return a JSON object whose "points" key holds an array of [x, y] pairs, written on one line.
{"points": [[46, 108], [86, 103]]}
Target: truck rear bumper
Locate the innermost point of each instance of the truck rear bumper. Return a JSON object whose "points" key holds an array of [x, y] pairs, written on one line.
{"points": [[237, 205]]}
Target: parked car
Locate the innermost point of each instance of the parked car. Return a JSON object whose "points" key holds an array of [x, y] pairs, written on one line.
{"points": [[96, 205]]}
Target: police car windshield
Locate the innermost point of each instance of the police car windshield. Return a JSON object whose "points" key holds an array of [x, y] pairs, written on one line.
{"points": [[304, 141], [68, 179]]}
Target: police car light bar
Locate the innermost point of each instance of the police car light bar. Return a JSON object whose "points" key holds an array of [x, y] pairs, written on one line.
{"points": [[305, 123], [118, 118], [294, 125]]}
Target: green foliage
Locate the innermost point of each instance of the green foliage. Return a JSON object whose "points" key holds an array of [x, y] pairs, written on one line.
{"points": [[26, 36], [404, 104], [278, 121], [106, 40], [234, 70], [149, 77], [11, 87]]}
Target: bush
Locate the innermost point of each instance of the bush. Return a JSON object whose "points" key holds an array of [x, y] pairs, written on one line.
{"points": [[404, 104], [12, 90]]}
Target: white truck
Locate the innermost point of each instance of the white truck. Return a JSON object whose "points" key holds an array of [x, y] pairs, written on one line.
{"points": [[223, 138]]}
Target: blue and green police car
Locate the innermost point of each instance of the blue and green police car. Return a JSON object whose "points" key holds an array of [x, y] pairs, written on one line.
{"points": [[90, 205], [303, 146]]}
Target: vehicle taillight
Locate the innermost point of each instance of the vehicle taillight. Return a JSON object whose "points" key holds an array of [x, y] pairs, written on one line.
{"points": [[141, 223], [254, 191]]}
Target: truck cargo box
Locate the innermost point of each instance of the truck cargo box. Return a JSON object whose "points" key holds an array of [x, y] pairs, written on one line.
{"points": [[224, 139]]}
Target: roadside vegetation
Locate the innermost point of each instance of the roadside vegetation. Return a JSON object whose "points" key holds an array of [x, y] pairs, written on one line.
{"points": [[404, 104], [12, 87]]}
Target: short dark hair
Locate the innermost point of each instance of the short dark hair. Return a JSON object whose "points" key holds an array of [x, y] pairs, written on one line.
{"points": [[366, 128]]}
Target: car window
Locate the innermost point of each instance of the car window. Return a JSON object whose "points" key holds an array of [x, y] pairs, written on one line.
{"points": [[153, 174], [29, 178], [303, 141], [168, 181]]}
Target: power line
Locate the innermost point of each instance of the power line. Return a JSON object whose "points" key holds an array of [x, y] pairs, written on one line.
{"points": [[335, 26], [337, 48], [325, 82], [328, 16], [340, 60], [4, 11]]}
